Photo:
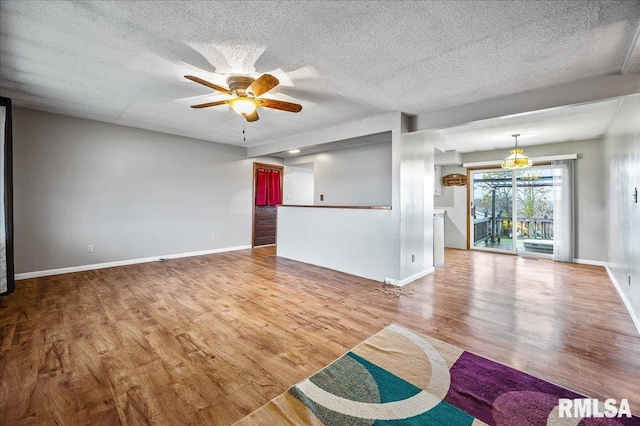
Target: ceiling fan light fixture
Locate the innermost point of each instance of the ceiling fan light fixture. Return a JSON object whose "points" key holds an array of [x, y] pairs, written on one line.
{"points": [[244, 90], [243, 105], [517, 160]]}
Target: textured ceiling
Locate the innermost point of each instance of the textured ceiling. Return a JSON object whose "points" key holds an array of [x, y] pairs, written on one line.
{"points": [[547, 126], [123, 62]]}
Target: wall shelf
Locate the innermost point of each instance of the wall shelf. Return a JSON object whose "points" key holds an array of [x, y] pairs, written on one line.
{"points": [[455, 179]]}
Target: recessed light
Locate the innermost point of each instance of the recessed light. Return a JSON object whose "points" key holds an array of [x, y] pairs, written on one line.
{"points": [[294, 151]]}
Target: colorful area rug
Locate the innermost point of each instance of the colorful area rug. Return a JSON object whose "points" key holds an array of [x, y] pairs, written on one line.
{"points": [[398, 377]]}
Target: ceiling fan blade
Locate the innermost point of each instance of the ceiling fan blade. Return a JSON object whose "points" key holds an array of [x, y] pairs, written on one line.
{"points": [[252, 117], [210, 104], [262, 85], [281, 105], [209, 85]]}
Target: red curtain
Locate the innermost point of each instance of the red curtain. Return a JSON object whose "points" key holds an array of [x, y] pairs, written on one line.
{"points": [[268, 191], [275, 194], [261, 188]]}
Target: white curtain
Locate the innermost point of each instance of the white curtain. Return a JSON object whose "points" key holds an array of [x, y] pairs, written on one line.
{"points": [[563, 216]]}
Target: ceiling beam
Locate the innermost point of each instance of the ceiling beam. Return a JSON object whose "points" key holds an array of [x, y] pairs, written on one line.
{"points": [[575, 93], [632, 61], [369, 126], [578, 92]]}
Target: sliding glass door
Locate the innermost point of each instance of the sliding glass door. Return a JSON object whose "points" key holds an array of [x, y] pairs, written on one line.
{"points": [[535, 210], [497, 194], [491, 209]]}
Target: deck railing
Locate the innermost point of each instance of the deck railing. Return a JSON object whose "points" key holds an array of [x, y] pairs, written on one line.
{"points": [[527, 227]]}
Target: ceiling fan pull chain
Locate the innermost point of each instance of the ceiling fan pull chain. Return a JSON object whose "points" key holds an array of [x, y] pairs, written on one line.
{"points": [[244, 131]]}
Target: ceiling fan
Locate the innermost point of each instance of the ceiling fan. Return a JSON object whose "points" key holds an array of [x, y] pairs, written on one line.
{"points": [[245, 91]]}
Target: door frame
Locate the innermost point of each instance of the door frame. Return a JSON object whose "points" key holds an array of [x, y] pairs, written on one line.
{"points": [[514, 223], [257, 166], [514, 207]]}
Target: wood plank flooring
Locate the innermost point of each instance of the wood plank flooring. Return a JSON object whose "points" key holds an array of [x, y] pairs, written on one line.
{"points": [[206, 340]]}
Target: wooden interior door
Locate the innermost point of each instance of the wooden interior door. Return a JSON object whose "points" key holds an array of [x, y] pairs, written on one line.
{"points": [[264, 217]]}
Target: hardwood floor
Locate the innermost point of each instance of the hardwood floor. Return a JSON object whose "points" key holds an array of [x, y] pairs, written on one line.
{"points": [[206, 340]]}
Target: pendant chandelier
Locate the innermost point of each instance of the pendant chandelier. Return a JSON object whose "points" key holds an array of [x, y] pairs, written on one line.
{"points": [[517, 160]]}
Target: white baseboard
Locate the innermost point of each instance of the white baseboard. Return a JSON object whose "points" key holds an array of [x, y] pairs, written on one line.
{"points": [[81, 268], [401, 283], [634, 317], [590, 262]]}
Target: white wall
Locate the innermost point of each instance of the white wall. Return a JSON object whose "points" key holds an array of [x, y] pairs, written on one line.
{"points": [[298, 186], [622, 165], [130, 193], [453, 200], [589, 176], [358, 176], [377, 244], [361, 242], [416, 202]]}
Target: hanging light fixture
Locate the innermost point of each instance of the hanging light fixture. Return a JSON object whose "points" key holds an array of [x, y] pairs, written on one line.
{"points": [[517, 160]]}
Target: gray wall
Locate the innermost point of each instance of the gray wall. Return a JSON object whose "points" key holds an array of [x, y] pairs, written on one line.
{"points": [[130, 193], [589, 185], [358, 176], [622, 164]]}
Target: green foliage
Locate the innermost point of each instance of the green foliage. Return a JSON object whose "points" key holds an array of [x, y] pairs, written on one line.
{"points": [[503, 193], [533, 200]]}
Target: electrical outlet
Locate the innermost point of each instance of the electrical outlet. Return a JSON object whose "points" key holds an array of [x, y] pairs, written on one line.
{"points": [[213, 237], [90, 248]]}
